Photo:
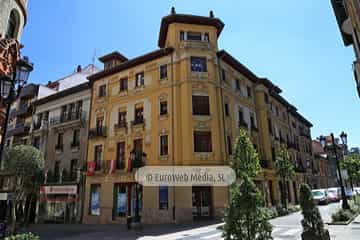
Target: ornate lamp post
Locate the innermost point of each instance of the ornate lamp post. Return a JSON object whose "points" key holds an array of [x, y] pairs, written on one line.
{"points": [[10, 88], [343, 136]]}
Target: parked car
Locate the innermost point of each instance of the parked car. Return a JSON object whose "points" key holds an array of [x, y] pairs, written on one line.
{"points": [[349, 193], [357, 190], [320, 196], [333, 194]]}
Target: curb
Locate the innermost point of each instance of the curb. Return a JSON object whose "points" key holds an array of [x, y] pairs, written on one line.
{"points": [[344, 223]]}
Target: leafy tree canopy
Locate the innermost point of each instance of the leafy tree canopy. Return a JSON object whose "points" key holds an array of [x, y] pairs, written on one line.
{"points": [[283, 165]]}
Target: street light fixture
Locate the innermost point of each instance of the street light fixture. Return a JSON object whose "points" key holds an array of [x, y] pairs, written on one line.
{"points": [[10, 89], [343, 136]]}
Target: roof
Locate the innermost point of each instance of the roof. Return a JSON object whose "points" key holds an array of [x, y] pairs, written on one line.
{"points": [[29, 90], [341, 16], [188, 19], [64, 93], [132, 62], [114, 55], [234, 63]]}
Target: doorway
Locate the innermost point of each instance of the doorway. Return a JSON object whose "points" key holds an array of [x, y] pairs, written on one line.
{"points": [[201, 203]]}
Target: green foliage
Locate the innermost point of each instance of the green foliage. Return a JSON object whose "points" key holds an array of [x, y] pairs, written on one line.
{"points": [[245, 219], [278, 211], [351, 164], [342, 215], [24, 236], [312, 221], [283, 166], [246, 159], [24, 161]]}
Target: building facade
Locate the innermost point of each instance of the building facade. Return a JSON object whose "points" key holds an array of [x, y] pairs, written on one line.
{"points": [[324, 168], [13, 16], [347, 14], [183, 105]]}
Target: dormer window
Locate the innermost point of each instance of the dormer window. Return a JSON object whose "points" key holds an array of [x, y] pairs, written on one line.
{"points": [[194, 36]]}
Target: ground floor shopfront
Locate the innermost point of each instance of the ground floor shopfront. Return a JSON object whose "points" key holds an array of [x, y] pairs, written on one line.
{"points": [[115, 199], [60, 203]]}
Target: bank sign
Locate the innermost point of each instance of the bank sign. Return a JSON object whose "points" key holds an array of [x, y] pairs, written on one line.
{"points": [[65, 189]]}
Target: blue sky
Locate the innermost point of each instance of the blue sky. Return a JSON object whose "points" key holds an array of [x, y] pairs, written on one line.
{"points": [[296, 44]]}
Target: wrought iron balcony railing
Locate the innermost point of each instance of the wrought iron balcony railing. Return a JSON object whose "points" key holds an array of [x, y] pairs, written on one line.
{"points": [[99, 131], [67, 117]]}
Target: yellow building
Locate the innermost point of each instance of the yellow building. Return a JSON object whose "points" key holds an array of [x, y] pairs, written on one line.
{"points": [[182, 105]]}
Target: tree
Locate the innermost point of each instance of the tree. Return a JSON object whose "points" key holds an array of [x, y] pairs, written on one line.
{"points": [[246, 159], [26, 164], [284, 168], [313, 225], [351, 164], [245, 218]]}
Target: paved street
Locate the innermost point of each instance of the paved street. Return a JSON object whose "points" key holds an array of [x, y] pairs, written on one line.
{"points": [[285, 228]]}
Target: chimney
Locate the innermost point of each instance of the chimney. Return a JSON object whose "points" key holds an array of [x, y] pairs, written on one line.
{"points": [[78, 69], [173, 10], [211, 14]]}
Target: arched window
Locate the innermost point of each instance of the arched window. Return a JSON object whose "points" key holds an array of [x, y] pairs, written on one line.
{"points": [[13, 25]]}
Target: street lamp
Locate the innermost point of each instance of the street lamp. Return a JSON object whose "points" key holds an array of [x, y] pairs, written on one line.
{"points": [[343, 136], [10, 89]]}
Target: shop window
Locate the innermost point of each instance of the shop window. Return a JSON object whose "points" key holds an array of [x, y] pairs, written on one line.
{"points": [[198, 64], [163, 197], [200, 105], [94, 205], [120, 200], [164, 145], [202, 141], [163, 71]]}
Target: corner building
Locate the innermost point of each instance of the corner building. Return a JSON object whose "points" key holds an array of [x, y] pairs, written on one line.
{"points": [[182, 105]]}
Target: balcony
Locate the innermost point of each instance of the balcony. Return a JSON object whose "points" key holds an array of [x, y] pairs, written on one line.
{"points": [[120, 125], [242, 124], [67, 117], [137, 122], [24, 110], [195, 45], [97, 132], [21, 129]]}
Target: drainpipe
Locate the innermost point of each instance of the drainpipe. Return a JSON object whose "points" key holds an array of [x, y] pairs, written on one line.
{"points": [[173, 129]]}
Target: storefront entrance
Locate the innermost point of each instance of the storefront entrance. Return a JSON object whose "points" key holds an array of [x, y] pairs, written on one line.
{"points": [[125, 196], [201, 203]]}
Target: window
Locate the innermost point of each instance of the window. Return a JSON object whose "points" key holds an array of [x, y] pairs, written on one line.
{"points": [[249, 93], [76, 138], [139, 79], [223, 75], [252, 120], [122, 119], [59, 144], [36, 142], [123, 84], [139, 114], [206, 37], [163, 71], [270, 126], [202, 141], [198, 64], [277, 111], [120, 155], [194, 36], [12, 27], [94, 205], [266, 98], [227, 109], [98, 157], [120, 200], [163, 198], [229, 145], [57, 171], [164, 145], [163, 107], [63, 113], [138, 144], [182, 36], [102, 91], [79, 107], [201, 105], [73, 169], [237, 84], [99, 122]]}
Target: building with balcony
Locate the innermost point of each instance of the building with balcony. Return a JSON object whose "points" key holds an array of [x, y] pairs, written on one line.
{"points": [[347, 13], [183, 105]]}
